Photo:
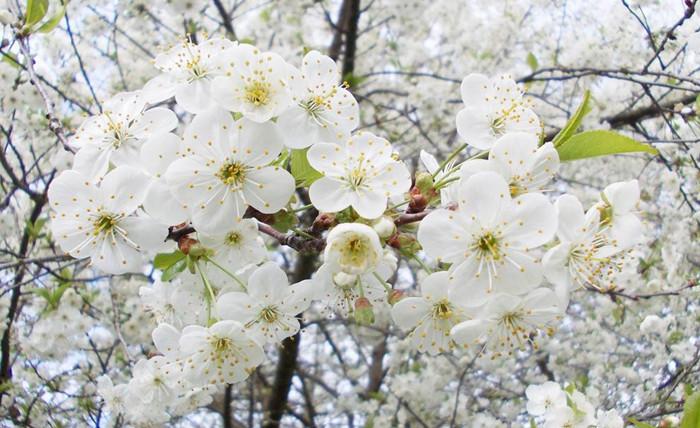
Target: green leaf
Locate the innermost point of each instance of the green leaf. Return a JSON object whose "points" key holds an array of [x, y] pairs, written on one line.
{"points": [[574, 122], [697, 104], [639, 424], [173, 270], [284, 220], [163, 261], [532, 61], [302, 170], [600, 143], [10, 59], [36, 9], [691, 412], [49, 25]]}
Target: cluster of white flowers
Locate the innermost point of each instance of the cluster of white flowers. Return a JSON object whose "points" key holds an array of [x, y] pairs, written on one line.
{"points": [[134, 181], [557, 407]]}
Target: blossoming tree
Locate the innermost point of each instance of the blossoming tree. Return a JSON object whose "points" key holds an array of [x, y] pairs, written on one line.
{"points": [[349, 213]]}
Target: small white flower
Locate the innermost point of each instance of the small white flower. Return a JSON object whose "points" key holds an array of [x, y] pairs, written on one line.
{"points": [[220, 354], [152, 382], [117, 134], [188, 70], [269, 307], [544, 398], [354, 248], [238, 246], [429, 317], [255, 84], [518, 159], [489, 238], [506, 322], [492, 108], [226, 168], [609, 419], [617, 211], [174, 302], [102, 222], [362, 174], [322, 110], [584, 257]]}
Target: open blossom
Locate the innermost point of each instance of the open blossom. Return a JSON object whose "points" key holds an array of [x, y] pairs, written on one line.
{"points": [[362, 174], [175, 302], [545, 397], [269, 307], [237, 246], [617, 211], [226, 168], [585, 255], [489, 238], [429, 317], [506, 322], [102, 222], [255, 84], [220, 354], [323, 110], [188, 70], [117, 134], [518, 158], [492, 108]]}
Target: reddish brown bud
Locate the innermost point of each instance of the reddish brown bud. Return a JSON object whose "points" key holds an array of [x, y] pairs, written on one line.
{"points": [[186, 243], [395, 296], [364, 314], [324, 221], [418, 201]]}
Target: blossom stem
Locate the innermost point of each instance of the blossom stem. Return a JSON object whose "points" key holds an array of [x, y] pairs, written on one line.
{"points": [[421, 263], [227, 272], [449, 159]]}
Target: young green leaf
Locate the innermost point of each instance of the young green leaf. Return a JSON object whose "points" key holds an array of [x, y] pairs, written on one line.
{"points": [[163, 261], [532, 61], [173, 270], [574, 122], [303, 172], [36, 9], [600, 143], [49, 25], [691, 412]]}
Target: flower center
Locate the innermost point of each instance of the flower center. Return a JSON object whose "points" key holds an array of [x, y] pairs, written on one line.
{"points": [[606, 214], [515, 188], [233, 239], [269, 314], [195, 68], [512, 320], [498, 126], [104, 224], [356, 254], [488, 246], [258, 93], [222, 344], [442, 310], [232, 173]]}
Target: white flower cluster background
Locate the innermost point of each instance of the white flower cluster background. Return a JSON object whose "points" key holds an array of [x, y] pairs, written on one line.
{"points": [[361, 213]]}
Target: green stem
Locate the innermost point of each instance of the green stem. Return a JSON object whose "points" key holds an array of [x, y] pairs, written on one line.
{"points": [[387, 287], [302, 208], [449, 159], [227, 272], [422, 265], [211, 297]]}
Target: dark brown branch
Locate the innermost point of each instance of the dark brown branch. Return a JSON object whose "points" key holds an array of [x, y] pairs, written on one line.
{"points": [[226, 20]]}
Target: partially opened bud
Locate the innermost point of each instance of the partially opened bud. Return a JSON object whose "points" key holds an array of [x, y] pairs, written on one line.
{"points": [[186, 243], [395, 296], [384, 227], [364, 314]]}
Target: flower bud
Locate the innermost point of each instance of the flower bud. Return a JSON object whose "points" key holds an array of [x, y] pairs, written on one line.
{"points": [[384, 227], [6, 17], [405, 243], [364, 315], [395, 296], [186, 243], [324, 221], [424, 183], [418, 201], [343, 279]]}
